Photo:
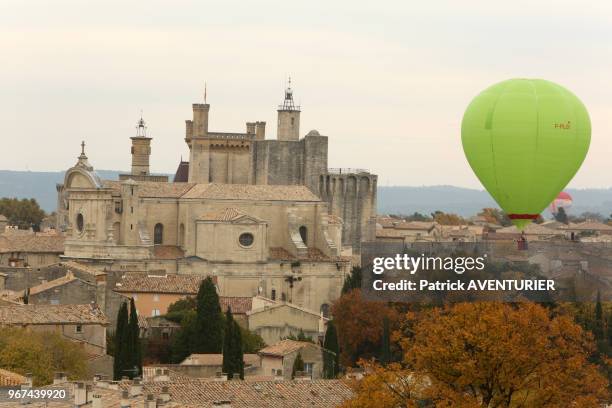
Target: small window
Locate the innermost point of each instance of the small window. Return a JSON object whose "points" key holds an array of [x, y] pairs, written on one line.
{"points": [[78, 328], [118, 207], [325, 310], [246, 239], [273, 294], [80, 222], [158, 234], [308, 368], [165, 335], [155, 312]]}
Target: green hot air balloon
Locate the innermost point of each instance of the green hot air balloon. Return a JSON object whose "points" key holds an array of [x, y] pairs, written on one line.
{"points": [[525, 139]]}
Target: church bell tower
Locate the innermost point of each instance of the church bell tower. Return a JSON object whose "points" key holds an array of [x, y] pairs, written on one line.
{"points": [[288, 117]]}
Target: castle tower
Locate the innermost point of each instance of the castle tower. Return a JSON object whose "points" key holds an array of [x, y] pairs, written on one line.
{"points": [[199, 146], [141, 150], [288, 117]]}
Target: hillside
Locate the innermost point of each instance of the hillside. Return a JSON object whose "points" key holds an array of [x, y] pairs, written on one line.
{"points": [[405, 200]]}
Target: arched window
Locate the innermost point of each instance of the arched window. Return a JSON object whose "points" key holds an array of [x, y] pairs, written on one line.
{"points": [[79, 222], [158, 234], [304, 234], [325, 310]]}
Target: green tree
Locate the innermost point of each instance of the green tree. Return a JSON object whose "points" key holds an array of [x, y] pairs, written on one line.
{"points": [[561, 216], [233, 357], [385, 350], [251, 341], [331, 354], [42, 354], [182, 343], [133, 342], [353, 281], [298, 365], [24, 213], [121, 358], [209, 320], [177, 310]]}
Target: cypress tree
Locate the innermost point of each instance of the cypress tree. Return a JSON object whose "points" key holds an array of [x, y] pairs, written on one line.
{"points": [[233, 357], [135, 352], [331, 366], [209, 326], [298, 365], [182, 342], [121, 357]]}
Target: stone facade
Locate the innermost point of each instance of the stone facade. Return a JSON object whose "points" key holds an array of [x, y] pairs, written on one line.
{"points": [[259, 215]]}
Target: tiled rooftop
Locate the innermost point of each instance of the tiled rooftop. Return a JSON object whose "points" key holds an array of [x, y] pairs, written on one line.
{"points": [[51, 314], [31, 243], [217, 359], [9, 378], [284, 347], [239, 304], [227, 214], [137, 282]]}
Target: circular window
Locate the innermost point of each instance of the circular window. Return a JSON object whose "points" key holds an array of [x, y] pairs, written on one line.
{"points": [[246, 239], [79, 222]]}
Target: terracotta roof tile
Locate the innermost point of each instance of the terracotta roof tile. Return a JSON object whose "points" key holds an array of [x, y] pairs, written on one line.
{"points": [[239, 305], [284, 347], [137, 282], [31, 243], [217, 359], [9, 378], [225, 215], [51, 314], [168, 252], [251, 192]]}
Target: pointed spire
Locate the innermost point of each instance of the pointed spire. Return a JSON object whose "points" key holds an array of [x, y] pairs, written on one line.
{"points": [[288, 103]]}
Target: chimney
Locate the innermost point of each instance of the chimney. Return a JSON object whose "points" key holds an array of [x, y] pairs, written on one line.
{"points": [[260, 130], [80, 394], [164, 395], [28, 382], [136, 387], [96, 401], [59, 377], [150, 402], [250, 128], [125, 399]]}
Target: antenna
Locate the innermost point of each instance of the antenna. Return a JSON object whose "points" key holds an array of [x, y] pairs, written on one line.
{"points": [[204, 91]]}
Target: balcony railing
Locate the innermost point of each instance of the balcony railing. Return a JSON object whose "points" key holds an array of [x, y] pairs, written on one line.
{"points": [[348, 171]]}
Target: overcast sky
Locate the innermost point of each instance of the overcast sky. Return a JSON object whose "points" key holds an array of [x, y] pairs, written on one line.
{"points": [[387, 81]]}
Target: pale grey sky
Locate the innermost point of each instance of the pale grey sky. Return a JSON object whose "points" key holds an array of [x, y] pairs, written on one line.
{"points": [[387, 81]]}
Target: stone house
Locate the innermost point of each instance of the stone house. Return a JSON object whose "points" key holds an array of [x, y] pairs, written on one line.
{"points": [[277, 321], [278, 358], [84, 324], [30, 249]]}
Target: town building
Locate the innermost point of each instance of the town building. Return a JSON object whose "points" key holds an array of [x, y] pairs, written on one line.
{"points": [[30, 249], [278, 358]]}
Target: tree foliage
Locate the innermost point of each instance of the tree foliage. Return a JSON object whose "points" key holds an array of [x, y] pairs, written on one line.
{"points": [[353, 281], [443, 218], [233, 358], [561, 216], [209, 320], [360, 325], [331, 354], [298, 365], [492, 355], [121, 362], [133, 342], [42, 354], [24, 213], [495, 216]]}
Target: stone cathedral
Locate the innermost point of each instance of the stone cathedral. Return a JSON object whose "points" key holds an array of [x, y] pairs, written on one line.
{"points": [[264, 216]]}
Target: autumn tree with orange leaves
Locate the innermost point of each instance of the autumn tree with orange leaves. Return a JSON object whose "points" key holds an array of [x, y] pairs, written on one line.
{"points": [[360, 326], [493, 355]]}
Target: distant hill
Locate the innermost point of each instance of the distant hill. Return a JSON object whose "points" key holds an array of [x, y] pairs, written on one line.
{"points": [[466, 202], [391, 200]]}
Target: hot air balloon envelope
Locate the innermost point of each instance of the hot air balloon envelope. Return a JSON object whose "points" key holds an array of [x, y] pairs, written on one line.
{"points": [[525, 139], [563, 200]]}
